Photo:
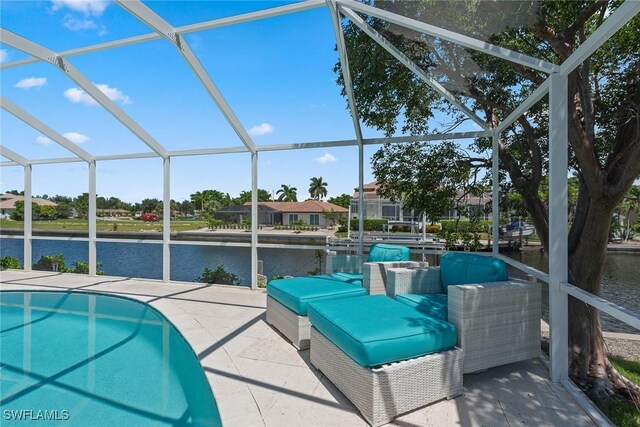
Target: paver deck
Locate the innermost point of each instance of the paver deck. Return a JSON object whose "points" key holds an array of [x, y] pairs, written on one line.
{"points": [[259, 379]]}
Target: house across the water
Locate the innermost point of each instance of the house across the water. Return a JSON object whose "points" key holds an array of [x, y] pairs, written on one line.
{"points": [[312, 212], [8, 203]]}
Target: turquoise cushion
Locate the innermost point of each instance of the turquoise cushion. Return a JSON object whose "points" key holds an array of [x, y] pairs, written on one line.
{"points": [[434, 305], [374, 330], [296, 293], [352, 278], [381, 252], [459, 268]]}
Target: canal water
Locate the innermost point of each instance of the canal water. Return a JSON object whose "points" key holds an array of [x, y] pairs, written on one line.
{"points": [[144, 260]]}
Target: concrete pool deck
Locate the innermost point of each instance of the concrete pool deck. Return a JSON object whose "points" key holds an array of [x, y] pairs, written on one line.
{"points": [[259, 379]]}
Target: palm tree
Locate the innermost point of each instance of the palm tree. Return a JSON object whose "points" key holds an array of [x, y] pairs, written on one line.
{"points": [[630, 203], [198, 200], [318, 188], [287, 194]]}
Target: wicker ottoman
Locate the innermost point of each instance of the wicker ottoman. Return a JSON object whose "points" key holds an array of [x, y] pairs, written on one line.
{"points": [[383, 393], [287, 302], [385, 356]]}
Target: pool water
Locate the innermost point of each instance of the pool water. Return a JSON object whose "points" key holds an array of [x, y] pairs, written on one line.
{"points": [[79, 359]]}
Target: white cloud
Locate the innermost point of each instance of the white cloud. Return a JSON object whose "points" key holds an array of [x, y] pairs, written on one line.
{"points": [[76, 138], [31, 82], [326, 158], [78, 96], [3, 55], [43, 140], [74, 24], [88, 7], [261, 129]]}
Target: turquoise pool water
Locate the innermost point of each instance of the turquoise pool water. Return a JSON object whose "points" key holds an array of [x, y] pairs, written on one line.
{"points": [[80, 359]]}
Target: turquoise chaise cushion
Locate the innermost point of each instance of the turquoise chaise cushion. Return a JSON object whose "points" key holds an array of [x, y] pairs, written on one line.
{"points": [[374, 330], [459, 268], [434, 305], [297, 292], [381, 252]]}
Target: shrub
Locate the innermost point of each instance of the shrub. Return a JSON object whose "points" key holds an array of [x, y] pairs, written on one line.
{"points": [[213, 223], [82, 267], [218, 276], [465, 226], [52, 263], [10, 262], [433, 228]]}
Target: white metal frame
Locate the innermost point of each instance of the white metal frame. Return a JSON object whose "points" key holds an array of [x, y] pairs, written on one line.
{"points": [[555, 86]]}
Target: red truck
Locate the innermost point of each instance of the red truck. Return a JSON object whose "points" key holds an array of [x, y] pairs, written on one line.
{"points": [[150, 217]]}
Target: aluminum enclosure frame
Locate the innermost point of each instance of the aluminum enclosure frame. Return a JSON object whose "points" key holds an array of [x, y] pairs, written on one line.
{"points": [[555, 86]]}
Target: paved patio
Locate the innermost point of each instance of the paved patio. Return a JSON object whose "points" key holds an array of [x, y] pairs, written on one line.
{"points": [[260, 380]]}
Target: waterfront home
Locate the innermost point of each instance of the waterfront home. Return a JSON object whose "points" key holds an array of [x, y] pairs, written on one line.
{"points": [[8, 203], [312, 212], [377, 206]]}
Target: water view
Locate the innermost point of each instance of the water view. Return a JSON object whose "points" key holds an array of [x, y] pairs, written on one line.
{"points": [[143, 260]]}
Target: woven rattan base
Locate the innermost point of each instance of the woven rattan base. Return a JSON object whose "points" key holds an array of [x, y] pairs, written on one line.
{"points": [[383, 393]]}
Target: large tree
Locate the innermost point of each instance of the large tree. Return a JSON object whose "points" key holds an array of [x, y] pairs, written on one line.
{"points": [[604, 123], [317, 188], [245, 196], [287, 193]]}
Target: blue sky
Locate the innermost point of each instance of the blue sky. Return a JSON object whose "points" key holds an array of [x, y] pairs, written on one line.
{"points": [[277, 75]]}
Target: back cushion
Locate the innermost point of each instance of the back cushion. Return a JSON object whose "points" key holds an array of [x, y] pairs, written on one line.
{"points": [[381, 252], [459, 268]]}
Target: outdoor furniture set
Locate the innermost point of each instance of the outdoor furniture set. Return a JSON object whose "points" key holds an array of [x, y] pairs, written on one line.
{"points": [[394, 335]]}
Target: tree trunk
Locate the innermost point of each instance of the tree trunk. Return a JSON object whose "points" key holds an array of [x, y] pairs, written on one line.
{"points": [[588, 363]]}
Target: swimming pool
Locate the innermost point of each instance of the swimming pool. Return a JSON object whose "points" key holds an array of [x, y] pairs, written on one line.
{"points": [[88, 359]]}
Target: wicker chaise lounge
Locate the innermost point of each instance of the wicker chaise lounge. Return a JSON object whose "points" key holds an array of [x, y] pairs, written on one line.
{"points": [[498, 318], [386, 357], [288, 299]]}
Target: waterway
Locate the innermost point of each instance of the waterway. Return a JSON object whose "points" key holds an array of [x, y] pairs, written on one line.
{"points": [[621, 282]]}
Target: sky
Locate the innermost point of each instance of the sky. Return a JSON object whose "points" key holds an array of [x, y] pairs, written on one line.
{"points": [[276, 74]]}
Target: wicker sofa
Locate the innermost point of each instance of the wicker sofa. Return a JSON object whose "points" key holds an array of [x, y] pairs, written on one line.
{"points": [[498, 318], [346, 276]]}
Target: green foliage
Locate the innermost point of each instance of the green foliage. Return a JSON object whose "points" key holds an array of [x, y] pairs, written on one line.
{"points": [[81, 205], [319, 256], [424, 177], [48, 212], [332, 216], [317, 188], [370, 224], [343, 200], [82, 267], [465, 226], [10, 262], [464, 233], [299, 223], [245, 196], [287, 193], [622, 413], [213, 223], [218, 276], [433, 228], [52, 263], [18, 211], [149, 205]]}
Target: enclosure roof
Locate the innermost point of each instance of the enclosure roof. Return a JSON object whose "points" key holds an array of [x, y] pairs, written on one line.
{"points": [[171, 50]]}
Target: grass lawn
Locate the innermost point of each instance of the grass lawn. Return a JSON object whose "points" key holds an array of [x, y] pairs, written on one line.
{"points": [[124, 225], [621, 414]]}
